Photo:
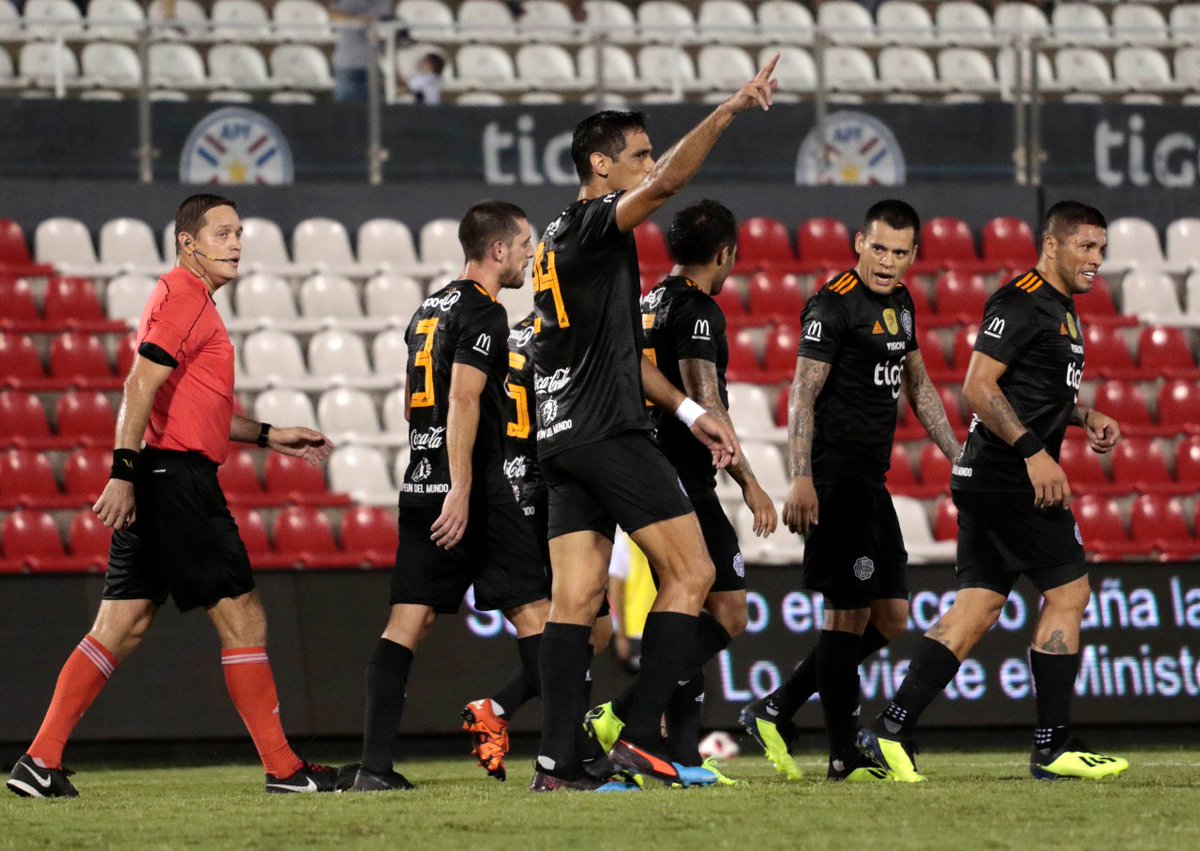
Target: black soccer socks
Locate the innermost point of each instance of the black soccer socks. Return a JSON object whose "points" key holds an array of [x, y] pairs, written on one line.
{"points": [[564, 660], [932, 668], [1054, 680], [526, 683], [837, 681], [387, 676], [668, 659], [802, 684]]}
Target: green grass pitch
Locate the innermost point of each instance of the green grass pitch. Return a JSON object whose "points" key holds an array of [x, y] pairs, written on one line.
{"points": [[972, 801]]}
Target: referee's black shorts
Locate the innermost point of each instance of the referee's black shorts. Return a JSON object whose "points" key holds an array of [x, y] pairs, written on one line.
{"points": [[183, 543], [622, 480], [1003, 535]]}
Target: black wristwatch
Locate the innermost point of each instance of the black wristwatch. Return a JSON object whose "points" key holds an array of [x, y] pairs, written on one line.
{"points": [[263, 430]]}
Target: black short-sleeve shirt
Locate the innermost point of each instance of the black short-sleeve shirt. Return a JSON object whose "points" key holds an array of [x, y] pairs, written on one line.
{"points": [[682, 322], [459, 323], [865, 337], [588, 342], [1033, 329]]}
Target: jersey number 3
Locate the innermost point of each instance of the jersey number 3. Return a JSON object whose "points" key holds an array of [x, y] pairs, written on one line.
{"points": [[424, 360], [545, 277], [519, 428]]}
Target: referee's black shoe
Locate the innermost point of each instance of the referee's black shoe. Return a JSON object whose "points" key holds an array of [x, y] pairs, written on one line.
{"points": [[380, 781], [311, 777], [30, 780]]}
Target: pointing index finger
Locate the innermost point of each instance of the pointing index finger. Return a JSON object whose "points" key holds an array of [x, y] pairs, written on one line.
{"points": [[767, 70]]}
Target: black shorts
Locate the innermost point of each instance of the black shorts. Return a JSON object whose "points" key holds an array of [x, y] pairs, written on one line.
{"points": [[498, 555], [721, 540], [1003, 535], [184, 542], [623, 480], [536, 509], [855, 553]]}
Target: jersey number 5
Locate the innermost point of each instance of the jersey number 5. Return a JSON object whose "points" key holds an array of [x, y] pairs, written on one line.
{"points": [[424, 360], [545, 277], [519, 428]]}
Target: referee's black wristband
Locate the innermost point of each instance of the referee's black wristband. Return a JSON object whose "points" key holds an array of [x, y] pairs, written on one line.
{"points": [[124, 464], [1028, 445], [263, 431]]}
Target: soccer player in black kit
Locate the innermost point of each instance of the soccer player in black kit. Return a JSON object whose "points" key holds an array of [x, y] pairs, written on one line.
{"points": [[459, 522], [685, 335], [857, 352], [1013, 500], [600, 465]]}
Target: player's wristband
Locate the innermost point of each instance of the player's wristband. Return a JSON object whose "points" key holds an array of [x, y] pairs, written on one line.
{"points": [[124, 464], [1028, 445], [689, 411], [263, 431]]}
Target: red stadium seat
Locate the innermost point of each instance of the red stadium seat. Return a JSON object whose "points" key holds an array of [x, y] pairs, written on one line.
{"points": [[1178, 405], [946, 243], [72, 299], [824, 243], [964, 345], [31, 534], [1085, 473], [1187, 462], [743, 362], [1099, 520], [1098, 304], [86, 472], [239, 477], [960, 295], [775, 294], [304, 535], [252, 531], [952, 403], [1139, 465], [76, 355], [729, 300], [287, 476], [935, 468], [1162, 351], [1107, 354], [653, 257], [371, 534], [781, 407], [16, 301], [25, 476], [126, 352], [89, 537], [1158, 520], [19, 359], [945, 522], [14, 254], [1122, 401], [22, 418], [780, 355], [763, 244], [932, 353], [1008, 243], [86, 414], [919, 290]]}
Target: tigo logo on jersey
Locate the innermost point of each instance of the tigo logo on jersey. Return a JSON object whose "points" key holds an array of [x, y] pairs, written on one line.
{"points": [[483, 344], [423, 471], [995, 328], [813, 334], [701, 330], [864, 568]]}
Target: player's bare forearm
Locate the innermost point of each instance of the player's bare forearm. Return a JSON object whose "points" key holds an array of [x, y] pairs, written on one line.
{"points": [[137, 400], [981, 389], [243, 429], [1079, 416], [658, 388], [701, 384], [927, 405], [802, 397], [462, 422]]}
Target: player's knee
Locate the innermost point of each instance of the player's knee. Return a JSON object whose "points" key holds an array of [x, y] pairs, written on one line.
{"points": [[734, 620], [890, 624]]}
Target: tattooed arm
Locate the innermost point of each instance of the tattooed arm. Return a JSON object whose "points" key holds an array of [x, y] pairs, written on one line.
{"points": [[982, 391], [927, 405], [800, 510], [701, 383]]}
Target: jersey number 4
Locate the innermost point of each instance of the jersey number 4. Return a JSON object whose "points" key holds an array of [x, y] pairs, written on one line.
{"points": [[424, 360], [545, 277]]}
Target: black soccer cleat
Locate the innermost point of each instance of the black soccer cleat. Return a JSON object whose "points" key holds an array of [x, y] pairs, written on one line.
{"points": [[380, 781], [853, 767], [30, 780], [311, 777]]}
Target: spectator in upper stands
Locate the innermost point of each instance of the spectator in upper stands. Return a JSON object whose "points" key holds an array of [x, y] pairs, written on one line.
{"points": [[353, 53], [426, 84]]}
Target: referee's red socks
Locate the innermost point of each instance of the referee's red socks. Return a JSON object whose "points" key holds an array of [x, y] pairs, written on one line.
{"points": [[85, 673], [252, 686]]}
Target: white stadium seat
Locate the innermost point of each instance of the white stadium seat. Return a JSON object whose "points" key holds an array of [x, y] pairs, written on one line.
{"points": [[1149, 295], [1021, 19], [129, 244], [1081, 24], [750, 408], [967, 69], [1185, 23], [963, 22], [189, 17], [38, 62], [361, 472], [1183, 244], [274, 356], [1083, 69], [850, 69], [905, 22], [665, 21], [324, 244], [389, 353], [263, 249], [301, 66], [486, 21], [767, 462], [796, 71], [340, 355], [105, 64], [909, 70], [1187, 67], [785, 22], [666, 67], [281, 405], [547, 66], [238, 66], [429, 20], [1139, 23], [125, 297], [1132, 244], [727, 22], [66, 244], [547, 21], [1006, 66], [116, 20], [724, 67], [302, 20], [618, 67], [52, 18], [483, 66], [176, 65], [440, 247], [612, 17], [329, 297], [259, 296], [393, 413], [387, 245], [347, 415], [846, 22], [10, 22], [240, 20], [1143, 69]]}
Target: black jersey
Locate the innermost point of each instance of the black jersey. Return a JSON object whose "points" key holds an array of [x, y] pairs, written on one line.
{"points": [[1034, 329], [520, 444], [460, 323], [682, 321], [588, 345], [865, 337]]}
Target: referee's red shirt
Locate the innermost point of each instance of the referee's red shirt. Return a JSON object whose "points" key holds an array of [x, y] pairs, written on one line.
{"points": [[193, 409]]}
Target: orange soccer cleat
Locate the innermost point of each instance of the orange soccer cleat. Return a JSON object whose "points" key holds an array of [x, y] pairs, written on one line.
{"points": [[489, 732]]}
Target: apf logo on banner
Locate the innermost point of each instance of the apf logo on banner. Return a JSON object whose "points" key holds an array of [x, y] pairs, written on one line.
{"points": [[858, 150], [235, 146]]}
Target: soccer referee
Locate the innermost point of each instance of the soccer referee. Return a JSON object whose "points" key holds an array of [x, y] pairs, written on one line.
{"points": [[173, 533]]}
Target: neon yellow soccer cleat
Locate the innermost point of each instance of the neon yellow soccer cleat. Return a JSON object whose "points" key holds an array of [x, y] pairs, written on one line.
{"points": [[895, 755], [772, 735], [1075, 761]]}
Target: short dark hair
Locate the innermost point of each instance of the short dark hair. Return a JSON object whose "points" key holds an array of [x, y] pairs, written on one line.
{"points": [[604, 132], [896, 214], [189, 218], [485, 223], [1063, 218], [437, 61], [700, 231]]}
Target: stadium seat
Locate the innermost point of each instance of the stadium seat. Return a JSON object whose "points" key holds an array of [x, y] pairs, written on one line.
{"points": [[302, 20], [14, 256], [264, 297], [909, 70], [324, 245], [946, 243], [286, 407], [292, 478], [300, 66], [387, 245], [780, 354], [19, 359], [87, 415], [1084, 69], [484, 66], [850, 69], [919, 293], [1159, 521], [31, 535], [329, 297], [763, 244], [361, 473], [1183, 242], [392, 297], [961, 22], [125, 297], [1139, 23], [304, 534], [74, 355], [1079, 24], [547, 21], [667, 67], [546, 66], [964, 345], [347, 415], [393, 413], [1139, 464], [70, 299], [724, 67], [22, 419], [751, 409], [52, 18], [652, 249], [967, 69], [1165, 351], [88, 538], [1143, 69], [935, 468], [16, 301], [1132, 244], [371, 533], [66, 244], [620, 72], [239, 477], [905, 22], [1008, 244], [1122, 401], [112, 65], [1187, 461], [26, 477], [774, 294], [785, 21], [175, 65], [727, 22], [126, 352], [1098, 303], [1100, 524], [796, 71], [440, 247], [274, 356], [1185, 23], [614, 17], [932, 352], [1151, 296], [1085, 473], [85, 473], [824, 243], [339, 355], [389, 353], [846, 22], [1179, 406], [665, 21], [744, 364], [238, 66], [1107, 354], [240, 20], [263, 249], [960, 295], [945, 522], [1020, 18], [38, 61], [253, 533]]}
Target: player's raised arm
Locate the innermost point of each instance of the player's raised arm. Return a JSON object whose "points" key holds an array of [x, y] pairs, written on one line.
{"points": [[462, 424], [927, 405], [676, 168]]}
